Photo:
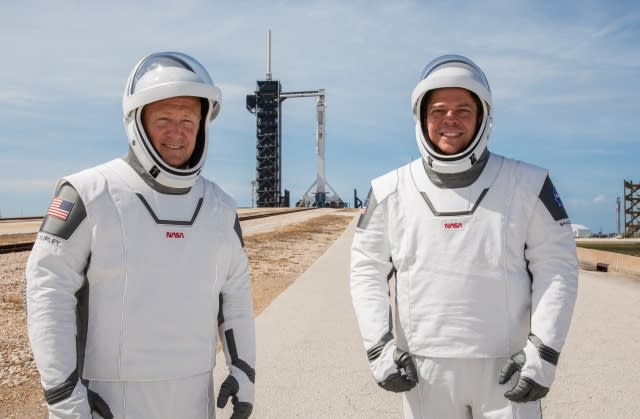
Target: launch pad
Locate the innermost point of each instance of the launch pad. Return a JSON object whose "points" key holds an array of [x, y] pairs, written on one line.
{"points": [[266, 104]]}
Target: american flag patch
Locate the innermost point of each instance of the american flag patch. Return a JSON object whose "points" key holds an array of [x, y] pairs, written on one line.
{"points": [[363, 208], [60, 208]]}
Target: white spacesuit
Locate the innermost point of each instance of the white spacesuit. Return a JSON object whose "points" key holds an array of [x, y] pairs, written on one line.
{"points": [[485, 272], [135, 267]]}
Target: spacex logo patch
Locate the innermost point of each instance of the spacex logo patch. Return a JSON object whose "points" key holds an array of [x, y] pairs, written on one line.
{"points": [[174, 235], [453, 226]]}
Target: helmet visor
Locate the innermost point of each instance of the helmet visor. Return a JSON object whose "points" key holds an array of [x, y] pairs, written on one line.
{"points": [[165, 67], [477, 74]]}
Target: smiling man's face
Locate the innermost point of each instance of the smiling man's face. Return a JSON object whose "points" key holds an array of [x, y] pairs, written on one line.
{"points": [[172, 126], [451, 119]]}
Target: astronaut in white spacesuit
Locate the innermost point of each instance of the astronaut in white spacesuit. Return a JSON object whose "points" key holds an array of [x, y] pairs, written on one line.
{"points": [[484, 262], [139, 261]]}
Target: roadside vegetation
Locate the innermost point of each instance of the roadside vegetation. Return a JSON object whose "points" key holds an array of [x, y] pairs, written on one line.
{"points": [[627, 248]]}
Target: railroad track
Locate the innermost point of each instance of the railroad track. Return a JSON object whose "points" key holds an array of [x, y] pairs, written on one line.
{"points": [[16, 247], [27, 246]]}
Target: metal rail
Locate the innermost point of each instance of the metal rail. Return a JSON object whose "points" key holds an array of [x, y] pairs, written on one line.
{"points": [[27, 246], [16, 247]]}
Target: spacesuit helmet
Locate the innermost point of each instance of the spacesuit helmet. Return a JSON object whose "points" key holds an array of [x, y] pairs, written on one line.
{"points": [[453, 71], [159, 76]]}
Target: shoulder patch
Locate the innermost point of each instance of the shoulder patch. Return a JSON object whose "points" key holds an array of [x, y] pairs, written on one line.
{"points": [[367, 209], [551, 200], [65, 212]]}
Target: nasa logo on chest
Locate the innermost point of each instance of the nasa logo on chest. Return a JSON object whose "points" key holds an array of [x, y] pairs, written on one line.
{"points": [[455, 225], [174, 235]]}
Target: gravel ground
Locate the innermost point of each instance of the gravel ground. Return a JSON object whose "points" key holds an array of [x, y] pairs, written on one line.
{"points": [[276, 258], [20, 391]]}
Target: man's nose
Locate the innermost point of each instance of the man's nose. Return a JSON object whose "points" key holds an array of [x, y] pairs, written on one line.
{"points": [[449, 116], [174, 128]]}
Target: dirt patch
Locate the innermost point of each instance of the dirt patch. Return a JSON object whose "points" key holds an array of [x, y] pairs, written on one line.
{"points": [[276, 259]]}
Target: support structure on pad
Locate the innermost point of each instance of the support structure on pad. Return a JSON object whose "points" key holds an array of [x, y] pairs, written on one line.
{"points": [[265, 104], [631, 209]]}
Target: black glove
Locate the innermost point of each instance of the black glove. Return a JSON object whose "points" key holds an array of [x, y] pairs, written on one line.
{"points": [[97, 404], [230, 388], [537, 364], [394, 369]]}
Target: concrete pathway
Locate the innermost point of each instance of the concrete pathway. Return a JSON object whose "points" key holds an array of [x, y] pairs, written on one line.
{"points": [[311, 362]]}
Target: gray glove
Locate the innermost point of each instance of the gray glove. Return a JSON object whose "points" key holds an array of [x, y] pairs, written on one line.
{"points": [[230, 389], [536, 363], [394, 369]]}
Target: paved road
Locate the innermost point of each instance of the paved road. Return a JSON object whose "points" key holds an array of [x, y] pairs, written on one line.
{"points": [[310, 359], [311, 363], [263, 225], [598, 376], [20, 227]]}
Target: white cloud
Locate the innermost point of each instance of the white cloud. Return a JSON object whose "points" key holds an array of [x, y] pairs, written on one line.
{"points": [[617, 25], [599, 199]]}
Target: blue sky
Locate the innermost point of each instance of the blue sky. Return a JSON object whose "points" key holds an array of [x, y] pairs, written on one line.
{"points": [[565, 81]]}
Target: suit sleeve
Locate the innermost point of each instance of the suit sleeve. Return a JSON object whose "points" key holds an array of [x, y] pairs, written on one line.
{"points": [[55, 272], [235, 320], [551, 255], [370, 268]]}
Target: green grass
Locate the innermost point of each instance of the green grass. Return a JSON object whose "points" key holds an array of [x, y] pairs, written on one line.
{"points": [[632, 249]]}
